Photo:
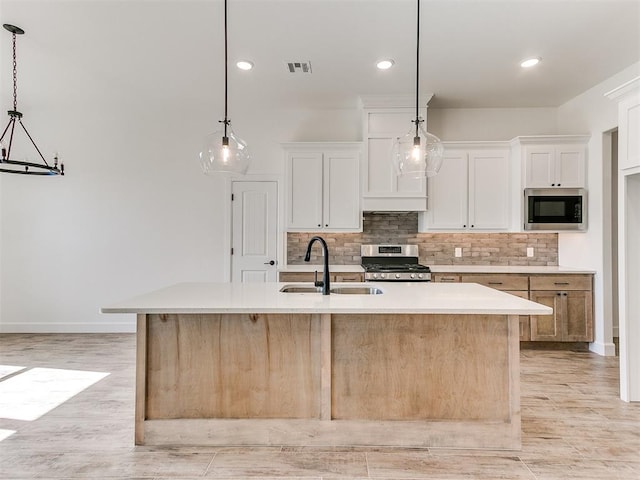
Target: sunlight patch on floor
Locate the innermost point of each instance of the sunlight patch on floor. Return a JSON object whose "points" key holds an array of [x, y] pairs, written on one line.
{"points": [[9, 369], [5, 433], [29, 395]]}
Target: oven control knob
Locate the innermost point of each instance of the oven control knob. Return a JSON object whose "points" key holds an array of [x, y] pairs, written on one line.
{"points": [[375, 275], [397, 275], [420, 275], [382, 275], [413, 275]]}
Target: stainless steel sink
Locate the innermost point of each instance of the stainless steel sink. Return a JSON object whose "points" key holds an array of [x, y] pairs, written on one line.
{"points": [[300, 289], [357, 290]]}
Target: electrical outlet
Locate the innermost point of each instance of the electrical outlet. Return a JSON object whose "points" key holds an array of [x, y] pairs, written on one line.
{"points": [[529, 251], [458, 252]]}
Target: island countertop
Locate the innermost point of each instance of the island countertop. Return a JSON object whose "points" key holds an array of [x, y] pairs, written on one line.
{"points": [[400, 297]]}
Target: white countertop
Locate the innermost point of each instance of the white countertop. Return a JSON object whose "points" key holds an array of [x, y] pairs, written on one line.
{"points": [[449, 269], [506, 269], [401, 297]]}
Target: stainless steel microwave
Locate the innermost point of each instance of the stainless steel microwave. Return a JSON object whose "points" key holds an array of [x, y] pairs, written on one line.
{"points": [[555, 209]]}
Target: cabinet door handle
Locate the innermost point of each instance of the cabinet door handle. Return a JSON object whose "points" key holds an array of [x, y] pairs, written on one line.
{"points": [[561, 283], [553, 184], [271, 262], [494, 283]]}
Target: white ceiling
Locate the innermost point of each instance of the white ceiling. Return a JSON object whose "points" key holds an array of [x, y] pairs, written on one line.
{"points": [[172, 51]]}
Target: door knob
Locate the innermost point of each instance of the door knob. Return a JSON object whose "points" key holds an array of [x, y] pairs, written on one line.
{"points": [[272, 262]]}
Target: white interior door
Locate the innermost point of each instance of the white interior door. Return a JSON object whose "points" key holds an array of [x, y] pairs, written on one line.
{"points": [[254, 212]]}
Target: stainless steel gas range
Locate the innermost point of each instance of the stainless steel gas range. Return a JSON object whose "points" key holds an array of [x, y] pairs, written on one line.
{"points": [[393, 263]]}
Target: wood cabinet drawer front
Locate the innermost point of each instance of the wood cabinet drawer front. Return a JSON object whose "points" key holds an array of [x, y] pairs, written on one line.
{"points": [[309, 277], [499, 282], [445, 277], [560, 282], [297, 276], [348, 277]]}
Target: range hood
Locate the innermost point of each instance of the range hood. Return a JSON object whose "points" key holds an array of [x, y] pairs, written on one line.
{"points": [[394, 204]]}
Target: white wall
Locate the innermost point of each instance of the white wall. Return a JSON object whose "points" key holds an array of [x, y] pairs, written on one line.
{"points": [[593, 113], [133, 213], [477, 124]]}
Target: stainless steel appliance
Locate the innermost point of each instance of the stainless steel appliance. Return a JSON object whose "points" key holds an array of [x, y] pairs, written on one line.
{"points": [[393, 263], [555, 209]]}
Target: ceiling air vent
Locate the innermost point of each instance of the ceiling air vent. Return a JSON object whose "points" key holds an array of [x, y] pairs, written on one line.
{"points": [[299, 67]]}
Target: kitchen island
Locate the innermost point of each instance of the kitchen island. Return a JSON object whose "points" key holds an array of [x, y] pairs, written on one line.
{"points": [[420, 365]]}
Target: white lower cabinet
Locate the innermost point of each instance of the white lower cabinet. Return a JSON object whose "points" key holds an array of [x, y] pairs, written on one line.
{"points": [[471, 191], [323, 187]]}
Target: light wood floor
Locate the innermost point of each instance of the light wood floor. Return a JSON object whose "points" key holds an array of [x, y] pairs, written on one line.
{"points": [[574, 427]]}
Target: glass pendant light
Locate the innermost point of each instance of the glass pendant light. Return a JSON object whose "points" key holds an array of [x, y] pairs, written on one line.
{"points": [[418, 153], [223, 150]]}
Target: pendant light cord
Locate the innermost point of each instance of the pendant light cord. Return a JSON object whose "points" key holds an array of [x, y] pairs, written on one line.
{"points": [[226, 61], [417, 120]]}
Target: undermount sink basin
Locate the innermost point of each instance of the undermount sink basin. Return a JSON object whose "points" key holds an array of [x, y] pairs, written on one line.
{"points": [[300, 289], [357, 290]]}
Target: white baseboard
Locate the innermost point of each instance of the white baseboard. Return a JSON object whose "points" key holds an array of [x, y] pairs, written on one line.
{"points": [[604, 349], [106, 327]]}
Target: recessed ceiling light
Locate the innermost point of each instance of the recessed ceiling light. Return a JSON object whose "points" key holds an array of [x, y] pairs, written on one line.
{"points": [[530, 62], [244, 65], [385, 64]]}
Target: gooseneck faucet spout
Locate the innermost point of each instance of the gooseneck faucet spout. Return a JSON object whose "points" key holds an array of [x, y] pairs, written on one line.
{"points": [[325, 274]]}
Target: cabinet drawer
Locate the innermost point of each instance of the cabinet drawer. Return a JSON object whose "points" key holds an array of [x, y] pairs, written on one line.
{"points": [[309, 276], [560, 282], [297, 276], [499, 282], [445, 277], [347, 277]]}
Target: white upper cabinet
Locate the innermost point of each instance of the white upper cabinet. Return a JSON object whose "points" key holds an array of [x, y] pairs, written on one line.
{"points": [[323, 187], [305, 195], [384, 120], [472, 190], [448, 193], [489, 189], [558, 161]]}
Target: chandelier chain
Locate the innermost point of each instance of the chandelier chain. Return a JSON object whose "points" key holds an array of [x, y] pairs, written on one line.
{"points": [[15, 75]]}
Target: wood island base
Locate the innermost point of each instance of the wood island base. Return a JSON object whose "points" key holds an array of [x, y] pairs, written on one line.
{"points": [[410, 380]]}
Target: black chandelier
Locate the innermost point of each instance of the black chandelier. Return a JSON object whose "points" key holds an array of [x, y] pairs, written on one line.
{"points": [[7, 164]]}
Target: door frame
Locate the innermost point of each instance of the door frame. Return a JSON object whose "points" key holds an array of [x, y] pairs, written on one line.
{"points": [[228, 218]]}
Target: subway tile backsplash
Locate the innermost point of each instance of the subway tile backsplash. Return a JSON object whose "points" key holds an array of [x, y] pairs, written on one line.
{"points": [[435, 248]]}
